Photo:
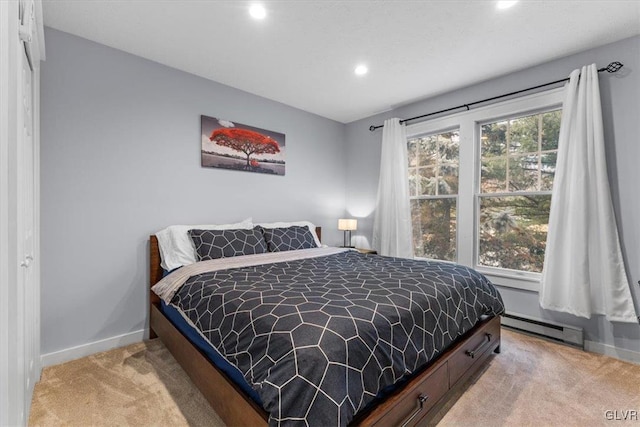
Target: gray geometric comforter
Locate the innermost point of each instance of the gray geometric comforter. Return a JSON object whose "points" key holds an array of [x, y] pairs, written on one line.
{"points": [[318, 338]]}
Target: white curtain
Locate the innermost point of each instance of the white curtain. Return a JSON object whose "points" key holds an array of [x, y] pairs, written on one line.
{"points": [[583, 270], [392, 225]]}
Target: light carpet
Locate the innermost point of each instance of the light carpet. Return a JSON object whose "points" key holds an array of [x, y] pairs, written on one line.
{"points": [[533, 382]]}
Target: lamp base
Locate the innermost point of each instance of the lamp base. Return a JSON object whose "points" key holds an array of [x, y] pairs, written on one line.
{"points": [[347, 239]]}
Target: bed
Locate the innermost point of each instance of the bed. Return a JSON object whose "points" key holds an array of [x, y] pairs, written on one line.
{"points": [[408, 392]]}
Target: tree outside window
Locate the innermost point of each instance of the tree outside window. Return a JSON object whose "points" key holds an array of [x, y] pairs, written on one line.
{"points": [[433, 189], [518, 160]]}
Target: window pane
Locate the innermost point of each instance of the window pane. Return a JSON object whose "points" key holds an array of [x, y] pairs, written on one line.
{"points": [[548, 170], [494, 139], [437, 158], [434, 228], [551, 129], [494, 175], [413, 181], [449, 147], [524, 134], [412, 152], [448, 179], [428, 181], [513, 231], [427, 150], [532, 143], [523, 173]]}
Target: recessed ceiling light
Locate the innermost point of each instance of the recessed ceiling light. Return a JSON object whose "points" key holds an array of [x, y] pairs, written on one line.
{"points": [[361, 70], [506, 4], [257, 11]]}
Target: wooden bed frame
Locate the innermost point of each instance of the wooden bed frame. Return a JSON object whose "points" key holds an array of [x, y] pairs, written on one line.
{"points": [[415, 403]]}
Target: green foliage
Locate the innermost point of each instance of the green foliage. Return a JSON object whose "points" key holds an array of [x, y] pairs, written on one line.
{"points": [[434, 228], [513, 231]]}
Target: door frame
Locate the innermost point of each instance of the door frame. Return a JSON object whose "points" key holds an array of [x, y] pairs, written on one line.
{"points": [[8, 255]]}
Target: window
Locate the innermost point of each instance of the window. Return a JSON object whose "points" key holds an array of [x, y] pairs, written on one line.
{"points": [[517, 166], [433, 189], [480, 186]]}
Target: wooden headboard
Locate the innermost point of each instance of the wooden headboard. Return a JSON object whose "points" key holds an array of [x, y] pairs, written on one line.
{"points": [[155, 269]]}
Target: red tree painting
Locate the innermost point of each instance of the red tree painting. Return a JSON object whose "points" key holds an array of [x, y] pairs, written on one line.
{"points": [[245, 141], [236, 146]]}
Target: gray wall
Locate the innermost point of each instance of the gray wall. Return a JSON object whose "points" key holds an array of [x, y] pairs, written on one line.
{"points": [[121, 160], [621, 111]]}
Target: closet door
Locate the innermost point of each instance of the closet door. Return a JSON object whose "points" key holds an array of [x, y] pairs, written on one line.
{"points": [[21, 49], [27, 293], [26, 230]]}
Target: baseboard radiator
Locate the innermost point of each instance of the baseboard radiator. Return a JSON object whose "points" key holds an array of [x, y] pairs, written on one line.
{"points": [[555, 331]]}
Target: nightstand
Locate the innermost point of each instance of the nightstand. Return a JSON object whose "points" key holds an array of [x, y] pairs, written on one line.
{"points": [[367, 251]]}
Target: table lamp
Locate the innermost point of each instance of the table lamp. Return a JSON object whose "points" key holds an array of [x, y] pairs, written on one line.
{"points": [[347, 225]]}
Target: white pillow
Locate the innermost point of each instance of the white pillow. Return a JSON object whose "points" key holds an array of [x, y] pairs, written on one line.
{"points": [[290, 224], [176, 247]]}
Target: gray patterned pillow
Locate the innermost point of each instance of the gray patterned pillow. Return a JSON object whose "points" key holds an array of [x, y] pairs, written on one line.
{"points": [[289, 238], [213, 244]]}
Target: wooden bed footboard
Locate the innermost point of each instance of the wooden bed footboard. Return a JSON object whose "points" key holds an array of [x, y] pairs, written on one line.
{"points": [[415, 403]]}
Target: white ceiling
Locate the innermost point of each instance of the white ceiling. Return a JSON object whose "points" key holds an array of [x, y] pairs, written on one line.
{"points": [[304, 53]]}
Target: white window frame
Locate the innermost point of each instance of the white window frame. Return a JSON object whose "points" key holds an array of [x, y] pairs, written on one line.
{"points": [[467, 210]]}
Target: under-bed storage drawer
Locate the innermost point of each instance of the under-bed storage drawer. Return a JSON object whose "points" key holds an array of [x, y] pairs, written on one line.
{"points": [[471, 352], [429, 391]]}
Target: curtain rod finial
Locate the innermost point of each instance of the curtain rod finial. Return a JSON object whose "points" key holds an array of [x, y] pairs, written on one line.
{"points": [[372, 128], [612, 67]]}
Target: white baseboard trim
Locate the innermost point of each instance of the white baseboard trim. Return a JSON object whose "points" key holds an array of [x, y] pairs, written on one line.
{"points": [[615, 352], [83, 350]]}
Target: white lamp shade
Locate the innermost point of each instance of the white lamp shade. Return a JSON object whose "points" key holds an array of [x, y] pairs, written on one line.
{"points": [[347, 224]]}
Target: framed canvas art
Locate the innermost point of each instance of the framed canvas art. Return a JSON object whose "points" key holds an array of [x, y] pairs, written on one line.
{"points": [[231, 145]]}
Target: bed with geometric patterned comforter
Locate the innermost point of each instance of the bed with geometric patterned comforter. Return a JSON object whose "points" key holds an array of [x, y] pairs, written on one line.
{"points": [[319, 337]]}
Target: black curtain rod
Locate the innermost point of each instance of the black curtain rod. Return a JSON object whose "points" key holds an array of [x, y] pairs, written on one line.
{"points": [[611, 68]]}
